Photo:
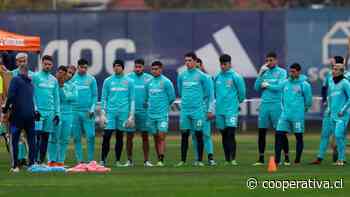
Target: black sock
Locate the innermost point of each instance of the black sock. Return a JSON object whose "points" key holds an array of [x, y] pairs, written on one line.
{"points": [[184, 144], [200, 144], [299, 146], [210, 157], [262, 143], [285, 148], [161, 158], [118, 145], [107, 134], [335, 154], [224, 134], [44, 138], [278, 145], [232, 141]]}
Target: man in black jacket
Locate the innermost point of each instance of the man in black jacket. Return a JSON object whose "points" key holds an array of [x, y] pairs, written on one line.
{"points": [[21, 105]]}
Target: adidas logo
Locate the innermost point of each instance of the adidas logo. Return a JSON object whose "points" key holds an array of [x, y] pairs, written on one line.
{"points": [[228, 43], [336, 36]]}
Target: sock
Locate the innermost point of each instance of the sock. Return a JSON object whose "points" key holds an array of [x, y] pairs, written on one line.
{"points": [[262, 143], [106, 143], [210, 157], [335, 154], [118, 145], [232, 141], [224, 135], [299, 146], [184, 144], [285, 148], [208, 144], [161, 158], [44, 138], [278, 145], [200, 145]]}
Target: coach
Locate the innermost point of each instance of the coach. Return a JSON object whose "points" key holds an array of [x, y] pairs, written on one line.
{"points": [[21, 105]]}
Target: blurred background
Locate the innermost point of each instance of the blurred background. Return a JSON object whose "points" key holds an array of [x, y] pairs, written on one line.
{"points": [[166, 4]]}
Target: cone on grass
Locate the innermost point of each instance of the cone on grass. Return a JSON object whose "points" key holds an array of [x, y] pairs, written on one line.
{"points": [[272, 167]]}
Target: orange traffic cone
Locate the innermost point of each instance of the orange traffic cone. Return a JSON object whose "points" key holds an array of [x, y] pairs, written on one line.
{"points": [[272, 167]]}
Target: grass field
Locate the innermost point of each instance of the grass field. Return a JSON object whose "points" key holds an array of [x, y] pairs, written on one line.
{"points": [[170, 181]]}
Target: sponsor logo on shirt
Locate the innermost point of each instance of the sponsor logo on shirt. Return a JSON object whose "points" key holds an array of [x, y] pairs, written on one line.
{"points": [[155, 90], [275, 74], [139, 86], [270, 80], [82, 87], [335, 93], [190, 83], [119, 89], [229, 83], [296, 89], [46, 85]]}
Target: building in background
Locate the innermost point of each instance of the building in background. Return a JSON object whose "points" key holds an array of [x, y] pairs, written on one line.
{"points": [[6, 5]]}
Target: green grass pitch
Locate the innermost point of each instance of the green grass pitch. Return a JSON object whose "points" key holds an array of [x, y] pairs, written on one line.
{"points": [[185, 181]]}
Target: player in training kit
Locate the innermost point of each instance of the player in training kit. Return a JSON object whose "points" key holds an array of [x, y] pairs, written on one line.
{"points": [[192, 87], [326, 120], [230, 91], [339, 102], [118, 108], [71, 70], [209, 105], [84, 111], [160, 95], [336, 116], [47, 103], [140, 79], [296, 100], [269, 83], [68, 95]]}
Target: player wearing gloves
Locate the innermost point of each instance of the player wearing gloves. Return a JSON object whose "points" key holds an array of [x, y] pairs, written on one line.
{"points": [[118, 109], [84, 111], [47, 104], [326, 132], [59, 141], [338, 103]]}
